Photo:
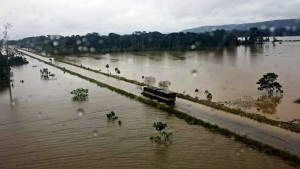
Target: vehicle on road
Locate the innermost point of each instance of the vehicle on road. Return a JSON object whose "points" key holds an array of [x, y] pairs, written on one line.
{"points": [[161, 95]]}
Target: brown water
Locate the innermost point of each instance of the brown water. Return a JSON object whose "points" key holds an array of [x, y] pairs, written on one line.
{"points": [[41, 127], [229, 73]]}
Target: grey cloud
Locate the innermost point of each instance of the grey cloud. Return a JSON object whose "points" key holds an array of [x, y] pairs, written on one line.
{"points": [[36, 17]]}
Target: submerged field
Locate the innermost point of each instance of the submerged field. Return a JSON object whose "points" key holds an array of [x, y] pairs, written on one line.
{"points": [[41, 126], [229, 74]]}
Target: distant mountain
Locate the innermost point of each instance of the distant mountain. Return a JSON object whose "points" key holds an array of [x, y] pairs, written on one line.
{"points": [[275, 24]]}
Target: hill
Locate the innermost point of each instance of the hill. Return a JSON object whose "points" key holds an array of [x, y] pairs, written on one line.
{"points": [[288, 24]]}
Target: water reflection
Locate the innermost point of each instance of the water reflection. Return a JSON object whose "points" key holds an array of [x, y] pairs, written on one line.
{"points": [[264, 104], [268, 104], [3, 90]]}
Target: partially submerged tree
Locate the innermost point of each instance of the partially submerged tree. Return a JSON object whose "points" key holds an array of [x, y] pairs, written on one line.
{"points": [[118, 72], [269, 84], [297, 101], [163, 136], [149, 80], [111, 116], [164, 84], [208, 95], [4, 59], [80, 94], [196, 93]]}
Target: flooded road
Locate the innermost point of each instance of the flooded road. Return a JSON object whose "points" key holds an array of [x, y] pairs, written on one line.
{"points": [[229, 73], [41, 127], [272, 135]]}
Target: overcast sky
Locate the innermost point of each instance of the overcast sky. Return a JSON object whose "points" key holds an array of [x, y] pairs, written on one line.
{"points": [[68, 17]]}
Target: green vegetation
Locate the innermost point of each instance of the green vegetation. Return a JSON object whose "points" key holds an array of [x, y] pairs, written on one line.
{"points": [[80, 94], [297, 101], [139, 41], [149, 80], [5, 66], [112, 116], [192, 120], [117, 71], [17, 60], [164, 84], [163, 137], [4, 72], [45, 74], [8, 58], [208, 95], [120, 122], [268, 83]]}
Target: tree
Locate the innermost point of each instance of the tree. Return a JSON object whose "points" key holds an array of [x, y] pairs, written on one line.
{"points": [[196, 93], [4, 59], [107, 67], [5, 42], [149, 80], [80, 94], [269, 84], [208, 95], [118, 72], [159, 126], [111, 116], [163, 137], [164, 84]]}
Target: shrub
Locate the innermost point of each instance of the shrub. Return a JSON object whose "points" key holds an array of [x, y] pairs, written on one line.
{"points": [[80, 94]]}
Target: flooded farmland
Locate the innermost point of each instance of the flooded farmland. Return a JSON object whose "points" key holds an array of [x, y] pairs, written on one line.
{"points": [[41, 127], [230, 74]]}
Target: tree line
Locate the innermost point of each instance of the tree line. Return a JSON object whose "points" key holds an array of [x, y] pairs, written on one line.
{"points": [[139, 41]]}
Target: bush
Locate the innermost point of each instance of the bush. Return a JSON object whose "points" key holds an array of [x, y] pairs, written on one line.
{"points": [[112, 116], [80, 94], [297, 101], [163, 137]]}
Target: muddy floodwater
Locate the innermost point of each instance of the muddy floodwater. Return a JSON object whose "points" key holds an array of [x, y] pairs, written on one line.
{"points": [[229, 74], [41, 127]]}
